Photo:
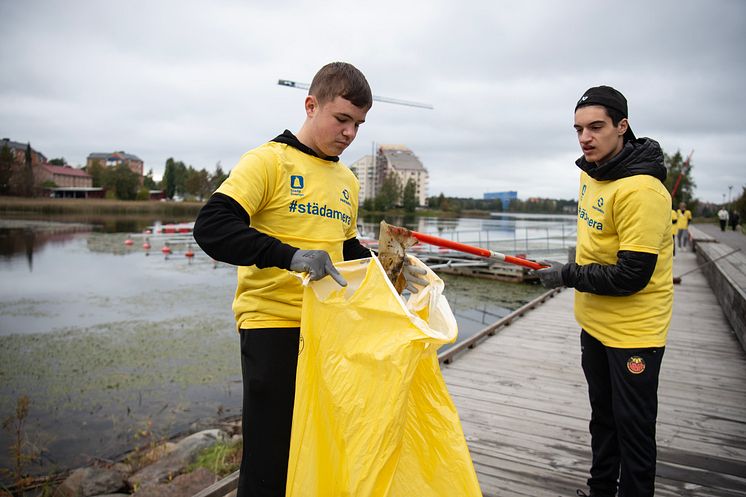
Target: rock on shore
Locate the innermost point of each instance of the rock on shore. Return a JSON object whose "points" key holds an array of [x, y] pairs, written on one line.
{"points": [[165, 477]]}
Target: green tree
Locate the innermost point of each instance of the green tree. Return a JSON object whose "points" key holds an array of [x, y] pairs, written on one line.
{"points": [[168, 183], [217, 178], [148, 181], [6, 170], [180, 175], [27, 185], [409, 197], [122, 182], [389, 194], [58, 162], [96, 170], [143, 193], [442, 202], [679, 168], [197, 183]]}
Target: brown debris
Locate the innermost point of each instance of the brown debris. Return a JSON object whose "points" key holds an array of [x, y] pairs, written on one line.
{"points": [[392, 245]]}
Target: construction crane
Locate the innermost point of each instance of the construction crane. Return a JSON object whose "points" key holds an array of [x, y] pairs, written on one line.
{"points": [[306, 86]]}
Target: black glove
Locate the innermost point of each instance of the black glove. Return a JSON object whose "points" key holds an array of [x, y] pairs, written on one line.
{"points": [[551, 277], [412, 275], [317, 264]]}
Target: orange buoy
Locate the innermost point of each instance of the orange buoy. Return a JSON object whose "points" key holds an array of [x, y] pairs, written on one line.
{"points": [[189, 253], [166, 249], [146, 245], [128, 241]]}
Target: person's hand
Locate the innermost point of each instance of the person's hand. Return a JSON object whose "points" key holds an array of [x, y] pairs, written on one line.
{"points": [[412, 275], [551, 277], [317, 264]]}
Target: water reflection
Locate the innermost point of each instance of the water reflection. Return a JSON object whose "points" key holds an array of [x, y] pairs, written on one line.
{"points": [[27, 240]]}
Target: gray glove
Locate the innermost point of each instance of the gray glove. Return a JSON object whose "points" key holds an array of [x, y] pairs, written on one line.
{"points": [[316, 263], [551, 277], [412, 275]]}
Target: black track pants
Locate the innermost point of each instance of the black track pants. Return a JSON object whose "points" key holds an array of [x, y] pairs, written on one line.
{"points": [[623, 391], [269, 358]]}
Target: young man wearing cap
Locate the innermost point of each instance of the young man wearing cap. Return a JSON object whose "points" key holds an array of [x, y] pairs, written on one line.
{"points": [[623, 279]]}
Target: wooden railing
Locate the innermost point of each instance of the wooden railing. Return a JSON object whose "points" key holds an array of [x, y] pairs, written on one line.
{"points": [[447, 356]]}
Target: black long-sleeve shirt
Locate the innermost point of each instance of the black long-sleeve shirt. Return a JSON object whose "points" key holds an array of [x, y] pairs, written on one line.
{"points": [[223, 230]]}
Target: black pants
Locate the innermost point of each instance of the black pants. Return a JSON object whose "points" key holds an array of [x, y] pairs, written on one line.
{"points": [[623, 391], [723, 223], [269, 358]]}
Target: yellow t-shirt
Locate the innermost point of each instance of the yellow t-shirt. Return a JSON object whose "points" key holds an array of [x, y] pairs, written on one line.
{"points": [[302, 200], [684, 218], [674, 222], [626, 214]]}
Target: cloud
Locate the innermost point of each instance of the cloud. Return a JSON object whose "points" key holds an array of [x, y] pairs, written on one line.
{"points": [[197, 81]]}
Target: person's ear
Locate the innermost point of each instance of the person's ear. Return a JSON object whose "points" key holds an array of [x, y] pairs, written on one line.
{"points": [[623, 126], [312, 105]]}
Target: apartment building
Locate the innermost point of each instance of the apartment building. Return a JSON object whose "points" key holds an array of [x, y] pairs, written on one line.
{"points": [[396, 159]]}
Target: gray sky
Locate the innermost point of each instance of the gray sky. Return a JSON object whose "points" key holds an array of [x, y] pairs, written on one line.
{"points": [[197, 81]]}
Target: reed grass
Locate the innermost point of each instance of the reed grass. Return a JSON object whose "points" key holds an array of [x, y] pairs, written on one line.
{"points": [[48, 206]]}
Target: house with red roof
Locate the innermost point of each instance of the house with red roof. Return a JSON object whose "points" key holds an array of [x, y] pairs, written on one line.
{"points": [[62, 176]]}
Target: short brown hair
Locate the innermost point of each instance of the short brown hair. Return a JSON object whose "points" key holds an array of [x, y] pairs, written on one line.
{"points": [[340, 79]]}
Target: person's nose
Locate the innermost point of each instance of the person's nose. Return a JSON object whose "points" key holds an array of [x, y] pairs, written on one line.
{"points": [[584, 137], [349, 131]]}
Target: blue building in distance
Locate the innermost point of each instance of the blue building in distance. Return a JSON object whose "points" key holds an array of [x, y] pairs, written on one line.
{"points": [[504, 197]]}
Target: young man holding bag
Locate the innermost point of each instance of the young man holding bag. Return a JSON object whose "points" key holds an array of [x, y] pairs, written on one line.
{"points": [[288, 205]]}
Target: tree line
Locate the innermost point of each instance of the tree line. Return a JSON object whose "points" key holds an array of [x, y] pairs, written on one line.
{"points": [[179, 181], [185, 181]]}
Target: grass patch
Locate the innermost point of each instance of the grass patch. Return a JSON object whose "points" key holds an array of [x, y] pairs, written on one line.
{"points": [[222, 458]]}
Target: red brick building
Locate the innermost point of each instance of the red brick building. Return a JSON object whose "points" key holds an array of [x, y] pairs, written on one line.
{"points": [[19, 152], [62, 176]]}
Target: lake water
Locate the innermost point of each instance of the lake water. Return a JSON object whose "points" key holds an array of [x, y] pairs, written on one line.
{"points": [[108, 340]]}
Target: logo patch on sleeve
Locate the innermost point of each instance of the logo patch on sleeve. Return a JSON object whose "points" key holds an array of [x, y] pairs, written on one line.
{"points": [[635, 364]]}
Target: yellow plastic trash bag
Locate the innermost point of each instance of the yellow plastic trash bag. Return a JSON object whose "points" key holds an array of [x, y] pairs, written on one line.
{"points": [[372, 416]]}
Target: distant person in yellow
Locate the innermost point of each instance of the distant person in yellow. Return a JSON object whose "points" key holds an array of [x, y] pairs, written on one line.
{"points": [[623, 279], [288, 205], [684, 217]]}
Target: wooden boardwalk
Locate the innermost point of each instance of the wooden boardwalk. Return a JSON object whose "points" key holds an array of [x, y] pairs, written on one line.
{"points": [[523, 402]]}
